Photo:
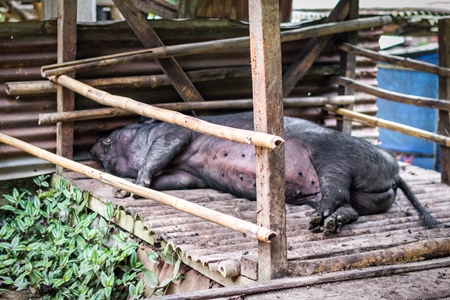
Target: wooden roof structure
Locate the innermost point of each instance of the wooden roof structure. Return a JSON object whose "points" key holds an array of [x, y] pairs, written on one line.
{"points": [[285, 248]]}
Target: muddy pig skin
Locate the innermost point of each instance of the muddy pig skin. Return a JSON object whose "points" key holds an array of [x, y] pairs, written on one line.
{"points": [[340, 176]]}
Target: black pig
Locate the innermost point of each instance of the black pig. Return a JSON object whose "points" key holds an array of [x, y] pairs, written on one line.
{"points": [[340, 176]]}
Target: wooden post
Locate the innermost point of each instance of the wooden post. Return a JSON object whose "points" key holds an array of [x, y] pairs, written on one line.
{"points": [[444, 93], [265, 49], [148, 37], [348, 65], [66, 51]]}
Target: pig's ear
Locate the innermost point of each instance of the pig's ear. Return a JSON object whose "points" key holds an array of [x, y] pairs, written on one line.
{"points": [[149, 121]]}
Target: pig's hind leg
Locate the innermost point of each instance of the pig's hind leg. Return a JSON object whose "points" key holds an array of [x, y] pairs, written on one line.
{"points": [[176, 180]]}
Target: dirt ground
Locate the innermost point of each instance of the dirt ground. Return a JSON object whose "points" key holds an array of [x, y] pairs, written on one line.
{"points": [[21, 295], [7, 186]]}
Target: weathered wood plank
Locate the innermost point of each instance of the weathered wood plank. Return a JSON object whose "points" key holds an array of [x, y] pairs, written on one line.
{"points": [[348, 66], [66, 51], [281, 284], [148, 37], [444, 93], [268, 108]]}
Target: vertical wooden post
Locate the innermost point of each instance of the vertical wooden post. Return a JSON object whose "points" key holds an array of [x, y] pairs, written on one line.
{"points": [[67, 45], [265, 51], [444, 93], [348, 65]]}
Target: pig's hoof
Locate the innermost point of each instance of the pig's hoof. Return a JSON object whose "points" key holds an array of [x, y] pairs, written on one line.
{"points": [[119, 193], [332, 224], [315, 220]]}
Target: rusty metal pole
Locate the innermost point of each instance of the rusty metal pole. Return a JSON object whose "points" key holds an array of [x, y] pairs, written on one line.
{"points": [[444, 93], [66, 51], [265, 49]]}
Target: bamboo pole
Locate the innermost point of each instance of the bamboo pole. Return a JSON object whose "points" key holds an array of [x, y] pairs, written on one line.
{"points": [[209, 46], [393, 96], [233, 134], [377, 122], [44, 86], [396, 60], [247, 228], [100, 113]]}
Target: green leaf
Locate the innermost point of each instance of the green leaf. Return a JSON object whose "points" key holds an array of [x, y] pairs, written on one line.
{"points": [[8, 207], [67, 275], [153, 257], [33, 246], [99, 295], [8, 262], [4, 245], [57, 282], [104, 279], [108, 291], [15, 241], [150, 278]]}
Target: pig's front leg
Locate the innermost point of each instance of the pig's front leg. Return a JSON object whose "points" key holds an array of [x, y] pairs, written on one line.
{"points": [[162, 152]]}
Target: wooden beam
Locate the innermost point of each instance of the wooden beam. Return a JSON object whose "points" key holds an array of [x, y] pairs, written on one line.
{"points": [[444, 93], [405, 62], [348, 65], [99, 113], [148, 37], [312, 50], [209, 46], [66, 51], [265, 50], [304, 281], [377, 122], [393, 96]]}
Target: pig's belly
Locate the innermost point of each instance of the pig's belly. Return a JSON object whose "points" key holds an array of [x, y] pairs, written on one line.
{"points": [[230, 167]]}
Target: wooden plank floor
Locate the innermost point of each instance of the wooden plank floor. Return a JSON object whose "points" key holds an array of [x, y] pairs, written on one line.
{"points": [[390, 238]]}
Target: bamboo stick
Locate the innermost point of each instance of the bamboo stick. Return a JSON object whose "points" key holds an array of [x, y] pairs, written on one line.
{"points": [[44, 86], [377, 122], [247, 228], [396, 60], [393, 96], [100, 113], [238, 135], [209, 46]]}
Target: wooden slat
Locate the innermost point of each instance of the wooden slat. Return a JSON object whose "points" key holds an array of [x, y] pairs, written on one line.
{"points": [[66, 51], [265, 49]]}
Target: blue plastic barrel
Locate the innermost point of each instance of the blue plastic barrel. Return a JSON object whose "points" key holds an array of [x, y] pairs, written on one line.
{"points": [[417, 151]]}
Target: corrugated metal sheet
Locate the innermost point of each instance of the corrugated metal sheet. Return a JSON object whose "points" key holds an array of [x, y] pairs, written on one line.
{"points": [[26, 46], [393, 237]]}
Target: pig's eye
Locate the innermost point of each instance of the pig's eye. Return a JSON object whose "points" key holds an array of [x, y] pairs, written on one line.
{"points": [[106, 142]]}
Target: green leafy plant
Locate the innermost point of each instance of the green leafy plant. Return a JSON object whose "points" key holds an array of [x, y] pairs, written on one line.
{"points": [[47, 243]]}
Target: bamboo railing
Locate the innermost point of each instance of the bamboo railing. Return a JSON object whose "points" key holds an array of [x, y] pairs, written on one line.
{"points": [[250, 229], [238, 135]]}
